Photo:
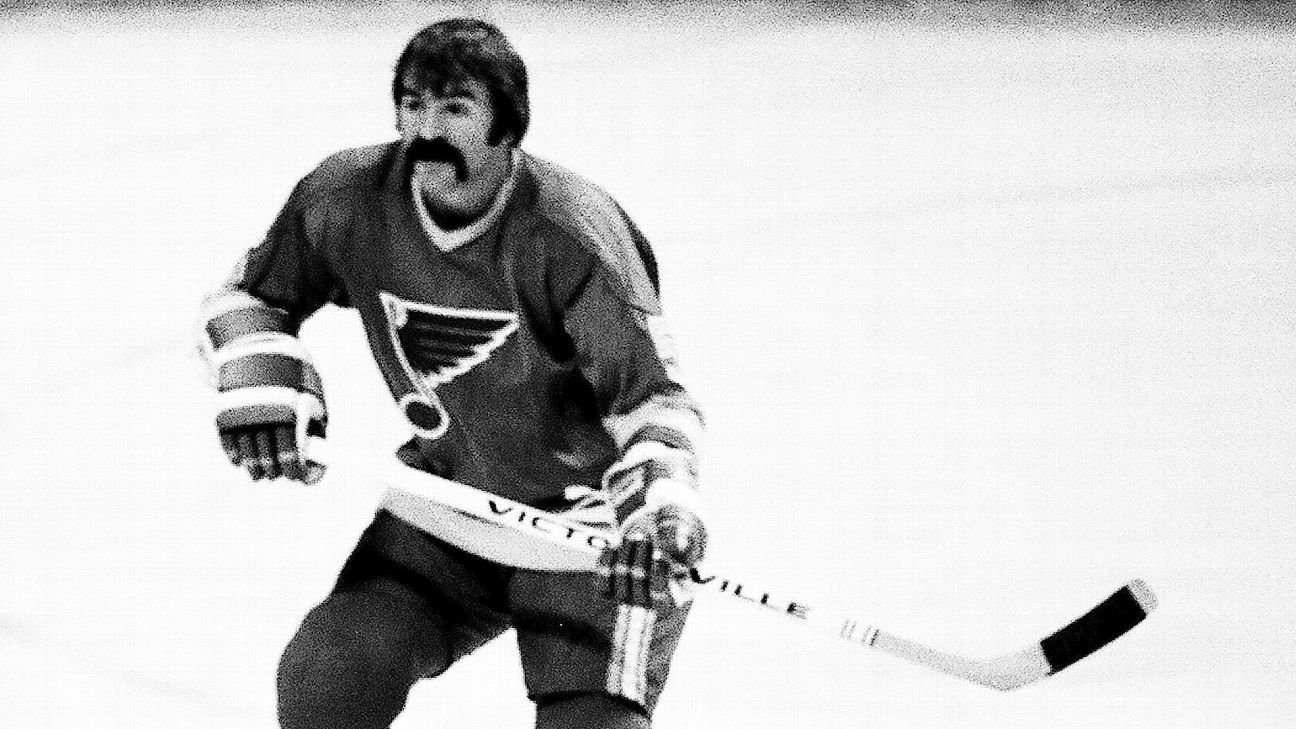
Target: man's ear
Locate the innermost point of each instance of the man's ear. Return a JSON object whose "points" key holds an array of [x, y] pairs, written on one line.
{"points": [[508, 139]]}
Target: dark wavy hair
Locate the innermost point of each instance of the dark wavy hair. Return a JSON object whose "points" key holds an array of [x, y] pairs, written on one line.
{"points": [[451, 51]]}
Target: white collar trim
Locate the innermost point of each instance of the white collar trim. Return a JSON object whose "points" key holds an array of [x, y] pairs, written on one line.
{"points": [[448, 240]]}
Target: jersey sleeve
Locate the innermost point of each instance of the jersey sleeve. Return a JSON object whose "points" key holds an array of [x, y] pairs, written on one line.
{"points": [[288, 268], [626, 352], [275, 285]]}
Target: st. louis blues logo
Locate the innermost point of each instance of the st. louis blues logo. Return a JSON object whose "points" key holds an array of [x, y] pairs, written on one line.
{"points": [[436, 344]]}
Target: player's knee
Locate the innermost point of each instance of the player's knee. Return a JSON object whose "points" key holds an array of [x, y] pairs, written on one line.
{"points": [[590, 711], [350, 665]]}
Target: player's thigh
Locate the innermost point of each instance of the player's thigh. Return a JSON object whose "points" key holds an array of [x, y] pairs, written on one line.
{"points": [[573, 640], [462, 596], [372, 640], [354, 659]]}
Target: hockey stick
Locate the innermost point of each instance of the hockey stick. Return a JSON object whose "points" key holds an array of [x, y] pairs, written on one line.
{"points": [[512, 533]]}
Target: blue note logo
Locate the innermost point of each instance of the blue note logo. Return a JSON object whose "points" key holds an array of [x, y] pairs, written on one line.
{"points": [[436, 344]]}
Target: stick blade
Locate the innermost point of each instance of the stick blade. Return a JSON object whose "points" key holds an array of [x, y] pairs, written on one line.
{"points": [[1107, 621]]}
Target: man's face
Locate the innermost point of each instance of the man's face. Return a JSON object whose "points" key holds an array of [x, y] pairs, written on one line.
{"points": [[448, 135]]}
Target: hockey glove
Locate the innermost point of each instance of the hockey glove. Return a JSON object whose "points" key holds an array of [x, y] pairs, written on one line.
{"points": [[662, 537], [269, 400], [636, 573]]}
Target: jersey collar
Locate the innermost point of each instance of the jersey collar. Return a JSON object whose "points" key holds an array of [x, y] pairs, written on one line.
{"points": [[448, 240]]}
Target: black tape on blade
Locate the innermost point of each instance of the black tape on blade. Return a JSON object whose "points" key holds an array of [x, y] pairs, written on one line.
{"points": [[1108, 621]]}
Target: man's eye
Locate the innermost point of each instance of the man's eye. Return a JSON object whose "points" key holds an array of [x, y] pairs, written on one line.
{"points": [[411, 103], [456, 107]]}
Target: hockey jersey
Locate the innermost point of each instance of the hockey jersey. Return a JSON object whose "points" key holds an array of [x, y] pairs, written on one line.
{"points": [[527, 355]]}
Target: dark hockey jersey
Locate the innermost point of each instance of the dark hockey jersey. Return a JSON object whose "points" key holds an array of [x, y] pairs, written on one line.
{"points": [[527, 355]]}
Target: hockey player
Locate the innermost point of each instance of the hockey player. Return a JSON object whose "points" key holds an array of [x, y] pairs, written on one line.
{"points": [[513, 310]]}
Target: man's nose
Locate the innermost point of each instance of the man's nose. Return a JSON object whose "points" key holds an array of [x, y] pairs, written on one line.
{"points": [[431, 125]]}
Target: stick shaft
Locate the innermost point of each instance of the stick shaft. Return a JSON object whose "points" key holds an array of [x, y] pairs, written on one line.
{"points": [[516, 534], [422, 499]]}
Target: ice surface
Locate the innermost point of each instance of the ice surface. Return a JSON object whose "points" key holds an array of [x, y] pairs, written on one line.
{"points": [[987, 320]]}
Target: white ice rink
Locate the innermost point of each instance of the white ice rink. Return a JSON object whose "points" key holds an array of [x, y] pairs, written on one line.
{"points": [[987, 320]]}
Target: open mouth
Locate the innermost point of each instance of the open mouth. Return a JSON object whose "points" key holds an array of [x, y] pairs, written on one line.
{"points": [[439, 151], [460, 171]]}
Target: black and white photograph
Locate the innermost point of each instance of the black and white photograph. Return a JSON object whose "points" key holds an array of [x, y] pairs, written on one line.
{"points": [[647, 363]]}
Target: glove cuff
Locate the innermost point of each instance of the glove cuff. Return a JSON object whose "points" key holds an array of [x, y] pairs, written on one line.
{"points": [[664, 494], [672, 492]]}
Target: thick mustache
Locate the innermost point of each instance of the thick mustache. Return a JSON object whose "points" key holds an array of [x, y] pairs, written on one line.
{"points": [[438, 150]]}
